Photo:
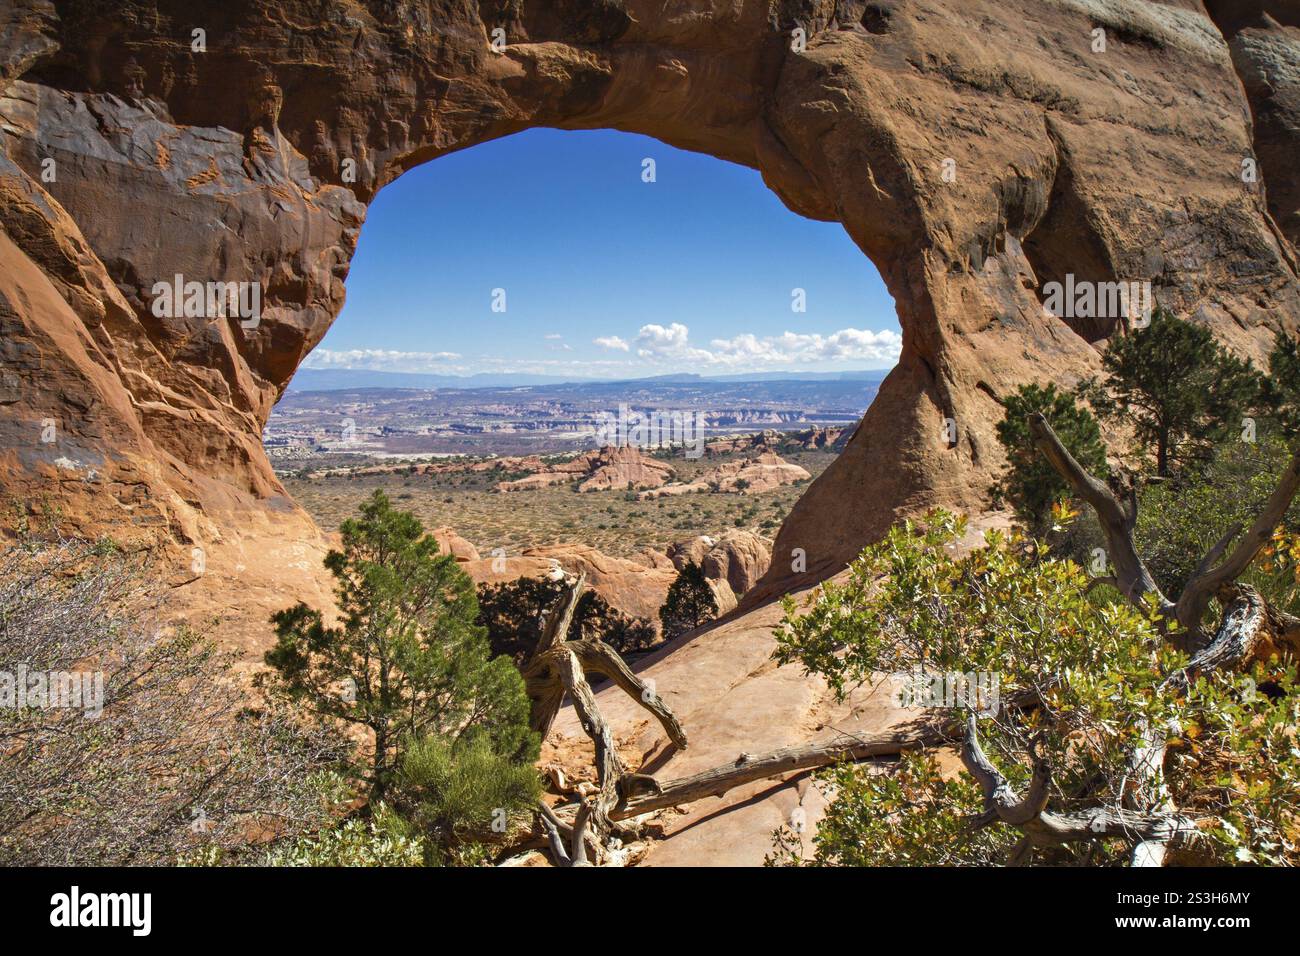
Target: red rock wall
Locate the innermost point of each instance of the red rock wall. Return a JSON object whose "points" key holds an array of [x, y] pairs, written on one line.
{"points": [[230, 164]]}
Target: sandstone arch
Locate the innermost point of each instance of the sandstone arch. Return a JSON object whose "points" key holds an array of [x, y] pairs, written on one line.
{"points": [[227, 164]]}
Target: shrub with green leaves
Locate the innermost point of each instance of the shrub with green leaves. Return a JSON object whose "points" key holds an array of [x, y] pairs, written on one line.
{"points": [[1081, 675], [382, 839], [463, 794], [1179, 520], [912, 816]]}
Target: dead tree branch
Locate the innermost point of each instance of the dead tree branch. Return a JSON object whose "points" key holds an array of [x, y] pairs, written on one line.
{"points": [[558, 668], [747, 768], [1150, 833], [1118, 517]]}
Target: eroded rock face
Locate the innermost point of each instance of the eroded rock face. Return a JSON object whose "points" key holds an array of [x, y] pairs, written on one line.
{"points": [[628, 586], [740, 558], [609, 469], [974, 150]]}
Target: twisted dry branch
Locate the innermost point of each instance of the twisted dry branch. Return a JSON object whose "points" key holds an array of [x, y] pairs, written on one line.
{"points": [[1150, 833]]}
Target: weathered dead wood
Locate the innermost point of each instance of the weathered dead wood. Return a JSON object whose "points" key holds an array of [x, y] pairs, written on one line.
{"points": [[1203, 585], [747, 768], [1118, 517], [1150, 833], [1248, 629], [542, 680], [558, 668], [598, 657], [1214, 574], [1245, 633]]}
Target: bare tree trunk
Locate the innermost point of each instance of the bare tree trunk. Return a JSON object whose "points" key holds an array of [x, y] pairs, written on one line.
{"points": [[747, 768]]}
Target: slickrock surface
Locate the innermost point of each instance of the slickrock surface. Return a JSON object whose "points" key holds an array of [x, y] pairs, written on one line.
{"points": [[732, 699]]}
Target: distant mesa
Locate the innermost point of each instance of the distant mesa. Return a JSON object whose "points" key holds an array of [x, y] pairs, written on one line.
{"points": [[810, 439]]}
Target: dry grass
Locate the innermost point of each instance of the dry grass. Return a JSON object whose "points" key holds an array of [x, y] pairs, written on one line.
{"points": [[607, 520]]}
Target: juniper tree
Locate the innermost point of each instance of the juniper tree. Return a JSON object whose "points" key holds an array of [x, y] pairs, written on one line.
{"points": [[1176, 387], [1282, 389], [407, 659], [1031, 485], [690, 602]]}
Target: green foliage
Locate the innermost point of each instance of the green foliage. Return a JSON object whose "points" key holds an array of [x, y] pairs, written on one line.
{"points": [[454, 792], [512, 613], [1176, 387], [1094, 665], [1240, 761], [911, 817], [407, 660], [1031, 485], [379, 840], [1181, 519], [690, 602], [1282, 389]]}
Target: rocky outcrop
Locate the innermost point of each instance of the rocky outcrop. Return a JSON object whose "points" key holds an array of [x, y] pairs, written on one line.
{"points": [[690, 551], [449, 542], [625, 468], [737, 558], [740, 558], [630, 587], [752, 476], [609, 469], [542, 479], [974, 149]]}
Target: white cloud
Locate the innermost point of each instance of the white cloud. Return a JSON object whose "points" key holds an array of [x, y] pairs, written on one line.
{"points": [[672, 343], [655, 347], [383, 360], [846, 345], [660, 344]]}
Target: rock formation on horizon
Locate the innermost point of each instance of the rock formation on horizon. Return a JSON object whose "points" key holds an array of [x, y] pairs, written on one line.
{"points": [[612, 468], [764, 472]]}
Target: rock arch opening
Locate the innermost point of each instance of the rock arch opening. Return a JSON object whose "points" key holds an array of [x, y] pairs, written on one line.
{"points": [[515, 306]]}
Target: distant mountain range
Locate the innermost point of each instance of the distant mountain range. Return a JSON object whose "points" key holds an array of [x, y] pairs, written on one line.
{"points": [[330, 380]]}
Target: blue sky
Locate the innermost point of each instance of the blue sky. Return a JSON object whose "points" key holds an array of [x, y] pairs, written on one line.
{"points": [[605, 275]]}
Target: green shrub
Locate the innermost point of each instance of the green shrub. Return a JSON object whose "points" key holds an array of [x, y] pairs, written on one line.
{"points": [[379, 840], [1094, 668], [459, 793], [690, 602]]}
